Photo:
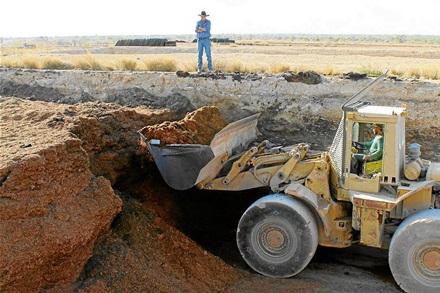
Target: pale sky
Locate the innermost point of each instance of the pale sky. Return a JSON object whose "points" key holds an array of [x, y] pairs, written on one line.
{"points": [[20, 18]]}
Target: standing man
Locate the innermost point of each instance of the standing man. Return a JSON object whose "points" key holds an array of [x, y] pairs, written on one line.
{"points": [[203, 30]]}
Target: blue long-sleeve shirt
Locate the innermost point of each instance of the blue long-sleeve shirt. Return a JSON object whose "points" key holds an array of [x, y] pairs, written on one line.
{"points": [[206, 24]]}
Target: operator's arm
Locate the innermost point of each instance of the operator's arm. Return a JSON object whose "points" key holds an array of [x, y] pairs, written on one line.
{"points": [[367, 144], [197, 27], [376, 149]]}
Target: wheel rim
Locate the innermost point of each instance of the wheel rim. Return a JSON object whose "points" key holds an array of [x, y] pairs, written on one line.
{"points": [[274, 240], [425, 263]]}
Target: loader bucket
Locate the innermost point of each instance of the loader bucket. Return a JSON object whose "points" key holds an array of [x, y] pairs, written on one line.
{"points": [[180, 164], [235, 135]]}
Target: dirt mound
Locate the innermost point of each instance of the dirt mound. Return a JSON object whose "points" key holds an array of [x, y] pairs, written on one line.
{"points": [[198, 127], [52, 208], [145, 254], [109, 135], [54, 204]]}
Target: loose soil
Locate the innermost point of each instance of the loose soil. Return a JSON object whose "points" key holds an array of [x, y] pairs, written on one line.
{"points": [[198, 127]]}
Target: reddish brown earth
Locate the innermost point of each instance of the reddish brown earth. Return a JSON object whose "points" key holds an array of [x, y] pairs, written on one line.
{"points": [[54, 204], [197, 127], [145, 253], [52, 208], [57, 202], [109, 136]]}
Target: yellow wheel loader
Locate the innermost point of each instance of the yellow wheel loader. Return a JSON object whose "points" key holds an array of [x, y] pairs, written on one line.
{"points": [[326, 198]]}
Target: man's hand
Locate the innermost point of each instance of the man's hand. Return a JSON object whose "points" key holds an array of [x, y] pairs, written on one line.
{"points": [[367, 158]]}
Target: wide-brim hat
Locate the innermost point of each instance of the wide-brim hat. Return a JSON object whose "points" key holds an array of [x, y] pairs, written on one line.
{"points": [[203, 13]]}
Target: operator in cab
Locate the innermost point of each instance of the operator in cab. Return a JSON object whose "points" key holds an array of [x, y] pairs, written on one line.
{"points": [[373, 150]]}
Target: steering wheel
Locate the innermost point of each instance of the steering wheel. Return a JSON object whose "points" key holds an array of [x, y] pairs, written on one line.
{"points": [[358, 146]]}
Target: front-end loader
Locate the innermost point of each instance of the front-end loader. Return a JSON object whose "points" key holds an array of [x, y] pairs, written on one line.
{"points": [[328, 198]]}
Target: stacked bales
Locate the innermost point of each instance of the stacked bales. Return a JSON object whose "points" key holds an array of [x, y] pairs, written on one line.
{"points": [[154, 42]]}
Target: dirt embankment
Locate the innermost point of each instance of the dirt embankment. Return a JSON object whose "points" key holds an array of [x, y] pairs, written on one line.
{"points": [[54, 203], [58, 164], [291, 112], [52, 207]]}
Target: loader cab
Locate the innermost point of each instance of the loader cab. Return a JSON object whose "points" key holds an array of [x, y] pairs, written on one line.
{"points": [[380, 169]]}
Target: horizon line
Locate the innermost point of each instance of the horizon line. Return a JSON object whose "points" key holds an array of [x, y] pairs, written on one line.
{"points": [[232, 34]]}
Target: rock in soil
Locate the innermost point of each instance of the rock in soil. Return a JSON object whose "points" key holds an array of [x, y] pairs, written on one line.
{"points": [[307, 77], [354, 75]]}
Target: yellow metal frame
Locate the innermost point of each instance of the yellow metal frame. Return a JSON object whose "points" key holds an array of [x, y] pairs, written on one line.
{"points": [[355, 202]]}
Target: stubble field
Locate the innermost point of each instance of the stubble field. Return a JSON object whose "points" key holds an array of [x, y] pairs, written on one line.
{"points": [[407, 60]]}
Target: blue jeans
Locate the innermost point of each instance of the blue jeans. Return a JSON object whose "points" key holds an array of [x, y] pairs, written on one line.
{"points": [[204, 44]]}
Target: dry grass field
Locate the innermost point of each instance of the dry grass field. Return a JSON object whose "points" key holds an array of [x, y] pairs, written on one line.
{"points": [[408, 60]]}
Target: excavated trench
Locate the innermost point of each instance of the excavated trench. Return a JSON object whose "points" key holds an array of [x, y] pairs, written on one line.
{"points": [[149, 237]]}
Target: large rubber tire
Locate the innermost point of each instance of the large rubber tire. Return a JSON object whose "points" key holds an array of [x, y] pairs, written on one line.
{"points": [[414, 254], [277, 236]]}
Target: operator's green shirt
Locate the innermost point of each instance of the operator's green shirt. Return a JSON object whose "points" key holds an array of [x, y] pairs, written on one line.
{"points": [[375, 148]]}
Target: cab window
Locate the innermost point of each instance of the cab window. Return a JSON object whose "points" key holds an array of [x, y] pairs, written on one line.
{"points": [[367, 149]]}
